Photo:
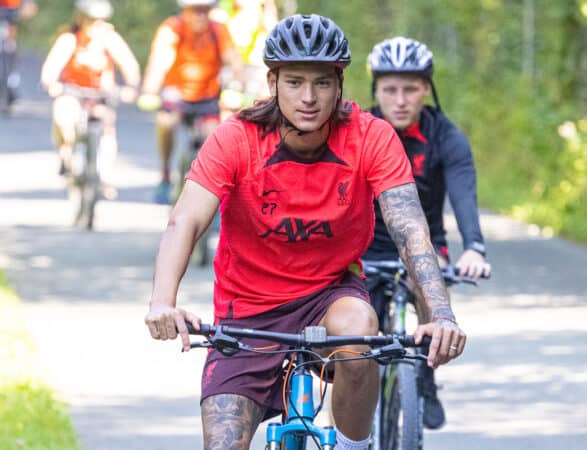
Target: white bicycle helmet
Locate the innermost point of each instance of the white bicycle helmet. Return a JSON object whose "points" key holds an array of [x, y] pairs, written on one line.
{"points": [[96, 9], [400, 54], [188, 3]]}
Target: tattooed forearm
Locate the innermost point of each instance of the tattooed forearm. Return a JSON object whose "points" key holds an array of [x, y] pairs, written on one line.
{"points": [[408, 228], [230, 421]]}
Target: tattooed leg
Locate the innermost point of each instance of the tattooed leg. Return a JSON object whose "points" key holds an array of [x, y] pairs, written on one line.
{"points": [[230, 421]]}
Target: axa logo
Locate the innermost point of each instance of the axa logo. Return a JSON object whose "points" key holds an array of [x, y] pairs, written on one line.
{"points": [[296, 230]]}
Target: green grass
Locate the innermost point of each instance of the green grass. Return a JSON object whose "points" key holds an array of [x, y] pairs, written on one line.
{"points": [[31, 417]]}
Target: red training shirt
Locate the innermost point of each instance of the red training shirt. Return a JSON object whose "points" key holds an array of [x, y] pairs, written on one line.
{"points": [[290, 228]]}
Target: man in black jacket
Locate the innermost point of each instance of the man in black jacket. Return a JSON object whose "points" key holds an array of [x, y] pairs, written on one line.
{"points": [[441, 162]]}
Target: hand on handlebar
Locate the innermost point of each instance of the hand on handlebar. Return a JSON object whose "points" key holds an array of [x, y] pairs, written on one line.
{"points": [[128, 94], [473, 264], [55, 89], [165, 322], [149, 102], [447, 341]]}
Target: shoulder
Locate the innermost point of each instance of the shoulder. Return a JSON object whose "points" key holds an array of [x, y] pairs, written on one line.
{"points": [[173, 23], [365, 123], [233, 130], [66, 38], [221, 30], [66, 41], [436, 125]]}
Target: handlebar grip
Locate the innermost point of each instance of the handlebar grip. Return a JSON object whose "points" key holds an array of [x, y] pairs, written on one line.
{"points": [[408, 341], [204, 330]]}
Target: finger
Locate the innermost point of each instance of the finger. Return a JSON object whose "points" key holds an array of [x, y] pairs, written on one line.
{"points": [[194, 320], [445, 343], [461, 344], [153, 329], [418, 335], [465, 270], [453, 348], [474, 271], [434, 348], [170, 327], [183, 332], [487, 270]]}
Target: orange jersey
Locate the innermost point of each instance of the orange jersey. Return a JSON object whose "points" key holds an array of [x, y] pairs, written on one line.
{"points": [[198, 61], [88, 64], [12, 4]]}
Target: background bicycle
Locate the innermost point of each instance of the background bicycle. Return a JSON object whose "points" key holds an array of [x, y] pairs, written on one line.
{"points": [[7, 50], [82, 166], [297, 425], [398, 423]]}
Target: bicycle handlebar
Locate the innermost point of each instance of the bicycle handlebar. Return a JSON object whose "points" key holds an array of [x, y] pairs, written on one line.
{"points": [[450, 273], [313, 337]]}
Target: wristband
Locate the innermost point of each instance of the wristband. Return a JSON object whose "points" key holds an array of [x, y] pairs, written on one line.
{"points": [[477, 247]]}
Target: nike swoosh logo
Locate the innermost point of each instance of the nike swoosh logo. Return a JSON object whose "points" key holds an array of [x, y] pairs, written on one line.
{"points": [[269, 192]]}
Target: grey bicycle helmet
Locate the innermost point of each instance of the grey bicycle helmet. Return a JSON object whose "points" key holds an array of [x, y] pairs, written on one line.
{"points": [[96, 9], [306, 38], [401, 54]]}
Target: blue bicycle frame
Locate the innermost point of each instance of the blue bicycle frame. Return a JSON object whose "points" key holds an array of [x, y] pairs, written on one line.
{"points": [[299, 423]]}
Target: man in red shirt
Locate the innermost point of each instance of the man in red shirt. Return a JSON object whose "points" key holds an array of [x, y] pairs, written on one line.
{"points": [[294, 177]]}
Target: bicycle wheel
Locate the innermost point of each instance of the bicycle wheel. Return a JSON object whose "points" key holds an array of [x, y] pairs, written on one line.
{"points": [[84, 182], [401, 426], [91, 188], [4, 71]]}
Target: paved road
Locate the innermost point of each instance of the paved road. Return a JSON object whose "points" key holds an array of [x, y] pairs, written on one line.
{"points": [[522, 383]]}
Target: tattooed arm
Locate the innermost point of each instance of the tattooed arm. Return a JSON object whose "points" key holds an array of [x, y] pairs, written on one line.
{"points": [[407, 226]]}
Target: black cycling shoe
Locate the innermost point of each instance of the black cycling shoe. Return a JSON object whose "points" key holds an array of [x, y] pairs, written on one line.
{"points": [[433, 411]]}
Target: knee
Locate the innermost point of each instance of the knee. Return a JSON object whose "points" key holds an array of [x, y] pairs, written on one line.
{"points": [[66, 111], [166, 121], [351, 316]]}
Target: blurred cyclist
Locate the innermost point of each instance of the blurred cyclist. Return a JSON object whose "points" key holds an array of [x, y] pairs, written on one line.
{"points": [[441, 162], [85, 55], [11, 11], [249, 21], [187, 54]]}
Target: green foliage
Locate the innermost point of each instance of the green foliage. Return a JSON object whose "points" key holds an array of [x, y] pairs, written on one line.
{"points": [[30, 416]]}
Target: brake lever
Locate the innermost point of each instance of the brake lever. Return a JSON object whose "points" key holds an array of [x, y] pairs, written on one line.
{"points": [[386, 354], [203, 344]]}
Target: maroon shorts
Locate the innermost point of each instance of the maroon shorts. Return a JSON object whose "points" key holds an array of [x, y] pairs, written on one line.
{"points": [[260, 376]]}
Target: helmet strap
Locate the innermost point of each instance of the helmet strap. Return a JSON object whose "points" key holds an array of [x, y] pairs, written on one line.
{"points": [[435, 95]]}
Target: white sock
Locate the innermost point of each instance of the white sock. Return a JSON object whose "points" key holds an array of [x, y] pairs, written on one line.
{"points": [[344, 443]]}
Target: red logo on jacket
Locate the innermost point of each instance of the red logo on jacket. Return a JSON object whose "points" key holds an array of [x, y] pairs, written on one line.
{"points": [[418, 164]]}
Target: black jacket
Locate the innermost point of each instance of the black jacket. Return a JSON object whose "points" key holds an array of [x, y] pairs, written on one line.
{"points": [[442, 162]]}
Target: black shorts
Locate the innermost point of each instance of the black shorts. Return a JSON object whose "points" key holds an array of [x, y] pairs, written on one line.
{"points": [[259, 377], [10, 15]]}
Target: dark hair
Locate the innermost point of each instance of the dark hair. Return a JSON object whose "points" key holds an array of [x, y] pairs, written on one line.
{"points": [[268, 117]]}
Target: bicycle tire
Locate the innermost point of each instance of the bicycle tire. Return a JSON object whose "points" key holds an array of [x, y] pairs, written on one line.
{"points": [[401, 424], [92, 187], [4, 90], [85, 186]]}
